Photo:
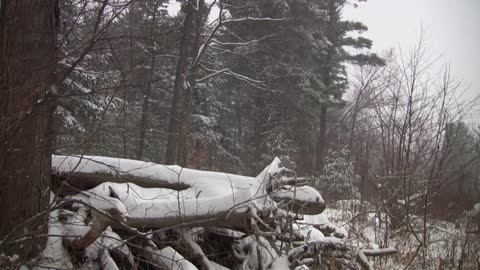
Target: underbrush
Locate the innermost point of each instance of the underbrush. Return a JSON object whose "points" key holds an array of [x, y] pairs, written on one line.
{"points": [[435, 244]]}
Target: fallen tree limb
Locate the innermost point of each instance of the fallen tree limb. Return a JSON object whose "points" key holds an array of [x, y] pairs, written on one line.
{"points": [[86, 172], [98, 226], [378, 252], [300, 199]]}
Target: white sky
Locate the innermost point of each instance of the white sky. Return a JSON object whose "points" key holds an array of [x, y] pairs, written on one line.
{"points": [[173, 7], [452, 29]]}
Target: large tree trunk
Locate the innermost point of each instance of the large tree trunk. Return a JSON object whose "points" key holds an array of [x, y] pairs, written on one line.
{"points": [[27, 66], [176, 110]]}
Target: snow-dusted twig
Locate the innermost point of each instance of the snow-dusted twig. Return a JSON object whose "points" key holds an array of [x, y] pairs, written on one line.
{"points": [[203, 47], [245, 43], [253, 19], [228, 72]]}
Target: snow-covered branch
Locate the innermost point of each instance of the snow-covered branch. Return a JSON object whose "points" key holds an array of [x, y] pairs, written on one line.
{"points": [[378, 252], [229, 72], [253, 19], [245, 43]]}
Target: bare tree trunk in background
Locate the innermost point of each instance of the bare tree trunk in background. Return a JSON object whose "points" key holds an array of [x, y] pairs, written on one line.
{"points": [[364, 164], [176, 110], [131, 68], [260, 128], [148, 88], [27, 66], [186, 140], [322, 139]]}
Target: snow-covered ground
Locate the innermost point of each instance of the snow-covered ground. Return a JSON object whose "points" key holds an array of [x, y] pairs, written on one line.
{"points": [[447, 243]]}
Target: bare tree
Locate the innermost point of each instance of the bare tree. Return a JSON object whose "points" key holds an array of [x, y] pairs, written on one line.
{"points": [[407, 108]]}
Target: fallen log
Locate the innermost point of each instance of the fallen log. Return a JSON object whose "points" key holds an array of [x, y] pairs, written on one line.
{"points": [[202, 197], [142, 201]]}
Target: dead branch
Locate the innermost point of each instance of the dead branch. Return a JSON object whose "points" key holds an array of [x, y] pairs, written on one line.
{"points": [[378, 252], [98, 226]]}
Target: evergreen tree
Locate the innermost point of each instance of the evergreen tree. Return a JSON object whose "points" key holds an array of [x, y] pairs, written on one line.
{"points": [[338, 180], [300, 55], [115, 100]]}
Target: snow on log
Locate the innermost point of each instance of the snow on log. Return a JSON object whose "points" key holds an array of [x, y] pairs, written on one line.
{"points": [[55, 255], [149, 195], [84, 170], [303, 200], [322, 223], [163, 209]]}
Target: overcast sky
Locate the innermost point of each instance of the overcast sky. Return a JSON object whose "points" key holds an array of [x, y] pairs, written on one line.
{"points": [[452, 29]]}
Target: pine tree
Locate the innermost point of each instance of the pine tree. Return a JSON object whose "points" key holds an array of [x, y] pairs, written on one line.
{"points": [[338, 179], [301, 58], [114, 101], [333, 66]]}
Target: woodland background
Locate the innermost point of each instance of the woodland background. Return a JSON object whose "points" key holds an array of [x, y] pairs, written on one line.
{"points": [[227, 86]]}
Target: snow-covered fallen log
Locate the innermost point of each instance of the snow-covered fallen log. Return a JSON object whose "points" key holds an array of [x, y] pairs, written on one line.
{"points": [[177, 217], [199, 193]]}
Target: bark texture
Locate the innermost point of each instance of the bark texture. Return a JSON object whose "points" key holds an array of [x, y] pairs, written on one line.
{"points": [[148, 89], [179, 91], [27, 66]]}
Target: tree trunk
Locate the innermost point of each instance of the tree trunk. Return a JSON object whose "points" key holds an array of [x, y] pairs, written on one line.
{"points": [[148, 89], [186, 148], [365, 189], [176, 110], [259, 129], [27, 63], [322, 139]]}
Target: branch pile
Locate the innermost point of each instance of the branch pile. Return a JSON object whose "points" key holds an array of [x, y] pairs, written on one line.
{"points": [[113, 213]]}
